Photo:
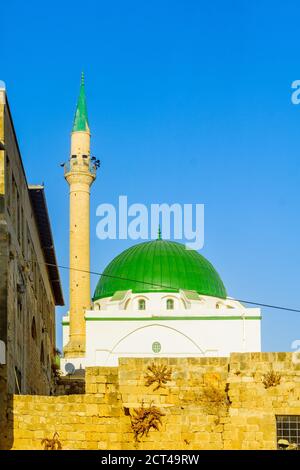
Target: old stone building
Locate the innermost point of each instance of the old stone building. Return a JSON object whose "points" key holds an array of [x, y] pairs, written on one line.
{"points": [[29, 287]]}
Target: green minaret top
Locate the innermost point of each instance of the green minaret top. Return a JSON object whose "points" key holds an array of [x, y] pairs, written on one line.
{"points": [[81, 122], [159, 233]]}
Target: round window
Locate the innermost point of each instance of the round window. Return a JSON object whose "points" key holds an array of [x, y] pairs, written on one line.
{"points": [[156, 347]]}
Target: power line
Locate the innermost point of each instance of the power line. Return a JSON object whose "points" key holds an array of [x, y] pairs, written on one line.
{"points": [[250, 302], [278, 307]]}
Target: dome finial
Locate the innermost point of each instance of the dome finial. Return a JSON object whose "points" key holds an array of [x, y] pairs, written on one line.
{"points": [[159, 233]]}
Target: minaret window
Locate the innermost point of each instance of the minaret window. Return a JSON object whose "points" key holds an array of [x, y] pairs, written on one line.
{"points": [[170, 304], [142, 304]]}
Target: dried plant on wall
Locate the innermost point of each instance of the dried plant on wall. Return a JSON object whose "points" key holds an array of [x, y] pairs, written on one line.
{"points": [[271, 379], [144, 419], [159, 375], [215, 399], [52, 444]]}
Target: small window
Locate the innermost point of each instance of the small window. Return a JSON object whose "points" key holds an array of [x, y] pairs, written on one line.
{"points": [[18, 379], [288, 432], [142, 304], [42, 358], [170, 304], [19, 310], [33, 329], [156, 347]]}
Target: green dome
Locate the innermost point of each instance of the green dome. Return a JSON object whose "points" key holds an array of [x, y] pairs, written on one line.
{"points": [[160, 266]]}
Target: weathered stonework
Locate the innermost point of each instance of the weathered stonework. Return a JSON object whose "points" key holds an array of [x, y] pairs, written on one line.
{"points": [[69, 386], [26, 289], [209, 403]]}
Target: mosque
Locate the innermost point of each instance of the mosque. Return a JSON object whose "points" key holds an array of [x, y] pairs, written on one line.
{"points": [[155, 299]]}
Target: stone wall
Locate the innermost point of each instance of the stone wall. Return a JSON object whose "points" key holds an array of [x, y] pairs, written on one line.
{"points": [[208, 403]]}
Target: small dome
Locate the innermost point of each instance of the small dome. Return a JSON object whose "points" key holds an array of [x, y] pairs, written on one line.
{"points": [[160, 266]]}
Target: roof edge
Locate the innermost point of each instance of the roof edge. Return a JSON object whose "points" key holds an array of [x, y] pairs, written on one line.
{"points": [[40, 209]]}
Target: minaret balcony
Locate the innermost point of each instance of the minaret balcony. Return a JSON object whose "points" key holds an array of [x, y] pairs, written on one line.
{"points": [[75, 166]]}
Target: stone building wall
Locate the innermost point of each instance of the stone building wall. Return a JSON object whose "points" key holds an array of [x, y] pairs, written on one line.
{"points": [[207, 403], [25, 290], [6, 429]]}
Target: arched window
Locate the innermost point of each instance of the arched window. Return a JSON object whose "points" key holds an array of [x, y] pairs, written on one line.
{"points": [[42, 358], [170, 304], [127, 304], [142, 304], [33, 329]]}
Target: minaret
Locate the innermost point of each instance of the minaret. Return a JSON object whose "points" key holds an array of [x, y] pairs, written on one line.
{"points": [[80, 173]]}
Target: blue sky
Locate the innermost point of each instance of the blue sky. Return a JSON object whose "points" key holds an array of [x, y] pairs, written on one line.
{"points": [[189, 102]]}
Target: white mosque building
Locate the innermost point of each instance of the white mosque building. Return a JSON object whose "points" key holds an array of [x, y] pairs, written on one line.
{"points": [[155, 299]]}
